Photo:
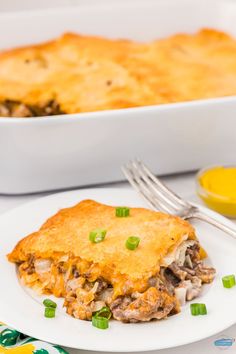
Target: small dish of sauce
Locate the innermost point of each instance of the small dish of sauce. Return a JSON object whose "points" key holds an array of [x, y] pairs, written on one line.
{"points": [[216, 186]]}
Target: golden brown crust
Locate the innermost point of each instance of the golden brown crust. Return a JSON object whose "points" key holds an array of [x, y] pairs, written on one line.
{"points": [[67, 232], [85, 73]]}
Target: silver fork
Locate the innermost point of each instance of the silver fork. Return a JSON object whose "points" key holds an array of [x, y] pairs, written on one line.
{"points": [[160, 197]]}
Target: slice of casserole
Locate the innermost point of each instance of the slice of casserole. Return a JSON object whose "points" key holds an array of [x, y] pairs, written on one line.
{"points": [[149, 282]]}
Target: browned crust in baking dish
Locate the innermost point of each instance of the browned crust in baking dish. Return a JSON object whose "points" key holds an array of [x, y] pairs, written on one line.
{"points": [[147, 283], [75, 73]]}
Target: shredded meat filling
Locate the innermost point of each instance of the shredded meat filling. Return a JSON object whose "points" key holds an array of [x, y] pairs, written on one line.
{"points": [[86, 292], [187, 279], [152, 304], [83, 298], [10, 108]]}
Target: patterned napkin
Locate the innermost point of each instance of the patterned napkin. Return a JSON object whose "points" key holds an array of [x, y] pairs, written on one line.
{"points": [[14, 342]]}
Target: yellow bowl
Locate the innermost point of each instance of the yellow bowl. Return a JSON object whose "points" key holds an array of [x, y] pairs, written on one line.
{"points": [[223, 204]]}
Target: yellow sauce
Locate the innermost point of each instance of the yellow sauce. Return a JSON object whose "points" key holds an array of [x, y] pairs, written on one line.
{"points": [[24, 349], [217, 187]]}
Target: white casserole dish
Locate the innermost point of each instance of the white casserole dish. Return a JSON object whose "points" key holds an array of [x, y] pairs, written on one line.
{"points": [[38, 154]]}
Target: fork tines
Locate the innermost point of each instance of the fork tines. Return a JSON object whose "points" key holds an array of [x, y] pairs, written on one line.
{"points": [[155, 192]]}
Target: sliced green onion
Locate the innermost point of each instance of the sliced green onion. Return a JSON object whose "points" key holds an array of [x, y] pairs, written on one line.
{"points": [[122, 212], [97, 235], [104, 312], [202, 309], [194, 309], [132, 242], [198, 309], [100, 322], [229, 281], [101, 318], [49, 303], [49, 312]]}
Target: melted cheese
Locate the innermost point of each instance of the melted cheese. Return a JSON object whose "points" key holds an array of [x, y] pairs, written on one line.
{"points": [[67, 233], [85, 73]]}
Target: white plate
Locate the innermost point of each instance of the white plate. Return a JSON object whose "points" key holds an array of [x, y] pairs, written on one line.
{"points": [[24, 311]]}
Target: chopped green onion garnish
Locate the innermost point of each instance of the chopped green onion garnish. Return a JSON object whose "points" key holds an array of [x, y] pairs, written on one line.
{"points": [[49, 303], [49, 312], [122, 212], [100, 322], [202, 309], [104, 312], [97, 235], [198, 309], [229, 281], [132, 242], [101, 318], [194, 309]]}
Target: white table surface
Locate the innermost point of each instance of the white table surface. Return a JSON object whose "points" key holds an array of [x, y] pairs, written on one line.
{"points": [[184, 186]]}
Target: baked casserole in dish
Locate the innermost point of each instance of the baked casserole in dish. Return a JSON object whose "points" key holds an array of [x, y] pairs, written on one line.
{"points": [[74, 73], [126, 72]]}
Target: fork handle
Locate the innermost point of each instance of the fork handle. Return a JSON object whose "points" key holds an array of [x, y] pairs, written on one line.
{"points": [[211, 220]]}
